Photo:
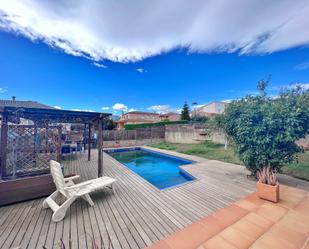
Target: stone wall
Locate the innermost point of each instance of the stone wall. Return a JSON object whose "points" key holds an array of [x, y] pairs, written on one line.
{"points": [[192, 134], [304, 142]]}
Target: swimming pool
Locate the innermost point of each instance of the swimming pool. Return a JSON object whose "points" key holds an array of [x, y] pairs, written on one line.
{"points": [[159, 169]]}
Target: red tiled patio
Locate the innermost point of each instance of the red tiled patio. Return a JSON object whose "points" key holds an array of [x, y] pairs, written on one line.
{"points": [[249, 223]]}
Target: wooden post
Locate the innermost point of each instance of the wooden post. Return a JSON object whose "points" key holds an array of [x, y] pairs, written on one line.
{"points": [[89, 142], [85, 135], [3, 147], [59, 152], [35, 145], [100, 161]]}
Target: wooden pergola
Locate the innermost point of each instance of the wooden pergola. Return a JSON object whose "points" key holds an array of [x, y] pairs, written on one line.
{"points": [[46, 126]]}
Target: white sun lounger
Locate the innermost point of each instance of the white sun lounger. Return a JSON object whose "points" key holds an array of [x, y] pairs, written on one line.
{"points": [[71, 191]]}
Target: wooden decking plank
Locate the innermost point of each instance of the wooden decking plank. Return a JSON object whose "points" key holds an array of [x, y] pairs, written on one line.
{"points": [[126, 228], [73, 226], [140, 221], [44, 229], [109, 228], [113, 220], [128, 223], [26, 230], [17, 231], [82, 235], [14, 223], [135, 216], [31, 239], [66, 229], [50, 235], [5, 214], [106, 240], [58, 233], [8, 221], [151, 217]]}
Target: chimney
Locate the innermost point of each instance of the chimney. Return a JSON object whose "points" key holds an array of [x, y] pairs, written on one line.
{"points": [[13, 98]]}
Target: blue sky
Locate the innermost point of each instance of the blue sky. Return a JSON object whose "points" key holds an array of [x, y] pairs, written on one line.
{"points": [[64, 74]]}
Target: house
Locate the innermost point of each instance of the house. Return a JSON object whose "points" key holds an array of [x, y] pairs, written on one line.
{"points": [[23, 104], [210, 109], [137, 117], [170, 116]]}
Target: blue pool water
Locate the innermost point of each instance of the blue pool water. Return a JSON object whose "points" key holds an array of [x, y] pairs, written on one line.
{"points": [[159, 169]]}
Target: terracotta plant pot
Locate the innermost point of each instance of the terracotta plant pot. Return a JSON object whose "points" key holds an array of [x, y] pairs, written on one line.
{"points": [[268, 192]]}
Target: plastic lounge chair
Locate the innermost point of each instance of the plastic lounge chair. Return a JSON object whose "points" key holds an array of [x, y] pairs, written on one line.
{"points": [[71, 191]]}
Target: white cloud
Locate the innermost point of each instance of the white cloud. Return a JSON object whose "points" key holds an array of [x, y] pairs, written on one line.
{"points": [[132, 110], [302, 66], [141, 29], [160, 108], [141, 70], [120, 107], [197, 106], [302, 85], [83, 110], [2, 90], [227, 101], [105, 108], [58, 107], [99, 65]]}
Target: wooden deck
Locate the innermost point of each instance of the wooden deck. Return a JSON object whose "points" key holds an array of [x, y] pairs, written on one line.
{"points": [[135, 216]]}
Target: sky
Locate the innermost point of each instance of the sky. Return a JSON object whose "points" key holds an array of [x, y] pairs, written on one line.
{"points": [[114, 56]]}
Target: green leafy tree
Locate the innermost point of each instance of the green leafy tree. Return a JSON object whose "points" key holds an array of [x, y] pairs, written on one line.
{"points": [[264, 129], [185, 112], [109, 124]]}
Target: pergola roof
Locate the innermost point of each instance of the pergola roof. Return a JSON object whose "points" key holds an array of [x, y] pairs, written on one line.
{"points": [[51, 115]]}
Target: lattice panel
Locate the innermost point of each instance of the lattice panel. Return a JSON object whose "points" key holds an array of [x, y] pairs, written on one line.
{"points": [[30, 148]]}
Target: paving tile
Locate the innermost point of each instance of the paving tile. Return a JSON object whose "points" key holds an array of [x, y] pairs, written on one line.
{"points": [[159, 245], [271, 211], [289, 235], [189, 237], [230, 214], [296, 191], [303, 206], [267, 243], [249, 223], [254, 199], [218, 242], [259, 220], [306, 245], [246, 227], [294, 221], [299, 216], [237, 238], [212, 225], [290, 197], [246, 204]]}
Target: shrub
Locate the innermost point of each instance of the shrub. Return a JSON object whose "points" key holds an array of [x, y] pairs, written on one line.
{"points": [[264, 129], [149, 125]]}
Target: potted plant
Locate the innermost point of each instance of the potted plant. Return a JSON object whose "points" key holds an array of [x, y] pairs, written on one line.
{"points": [[267, 187]]}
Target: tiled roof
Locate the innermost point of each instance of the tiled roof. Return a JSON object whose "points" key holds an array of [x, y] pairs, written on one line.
{"points": [[136, 120], [169, 114], [25, 104], [144, 113]]}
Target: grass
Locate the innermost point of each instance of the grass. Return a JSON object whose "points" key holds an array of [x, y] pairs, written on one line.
{"points": [[214, 151], [207, 150]]}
